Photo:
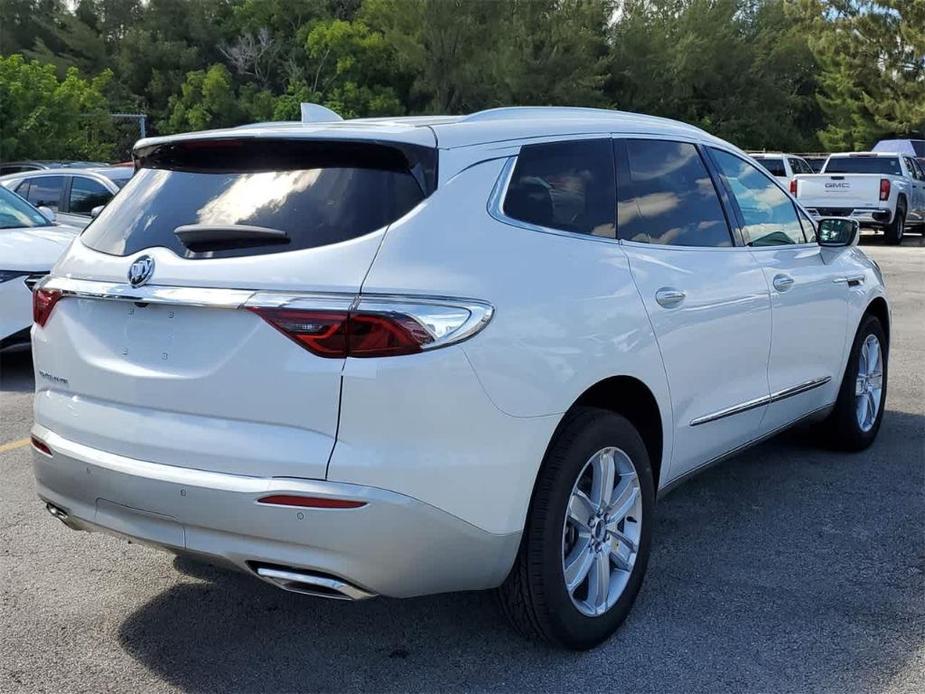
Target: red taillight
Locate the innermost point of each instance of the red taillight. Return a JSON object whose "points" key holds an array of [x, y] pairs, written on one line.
{"points": [[793, 187], [339, 334], [40, 445], [309, 501], [884, 189], [43, 301]]}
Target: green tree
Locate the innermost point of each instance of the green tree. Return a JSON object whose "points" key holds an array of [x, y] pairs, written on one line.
{"points": [[44, 116], [207, 99], [872, 56]]}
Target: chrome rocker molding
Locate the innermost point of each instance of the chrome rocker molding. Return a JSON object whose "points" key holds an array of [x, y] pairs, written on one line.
{"points": [[480, 312], [815, 415], [758, 402]]}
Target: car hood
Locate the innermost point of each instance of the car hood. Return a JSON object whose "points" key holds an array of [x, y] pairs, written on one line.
{"points": [[36, 248]]}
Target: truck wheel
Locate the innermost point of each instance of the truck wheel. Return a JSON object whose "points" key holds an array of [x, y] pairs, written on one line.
{"points": [[586, 541], [894, 231]]}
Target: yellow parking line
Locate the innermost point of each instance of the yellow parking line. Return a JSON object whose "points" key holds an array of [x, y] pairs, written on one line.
{"points": [[13, 445]]}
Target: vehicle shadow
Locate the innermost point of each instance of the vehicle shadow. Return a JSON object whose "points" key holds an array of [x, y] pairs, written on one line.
{"points": [[16, 375], [789, 568]]}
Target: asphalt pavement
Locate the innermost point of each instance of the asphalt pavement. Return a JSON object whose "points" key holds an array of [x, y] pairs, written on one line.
{"points": [[787, 569]]}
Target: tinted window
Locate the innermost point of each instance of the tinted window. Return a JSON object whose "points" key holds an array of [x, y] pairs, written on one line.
{"points": [[871, 165], [667, 197], [46, 190], [775, 165], [86, 194], [918, 146], [14, 212], [319, 193], [768, 215], [565, 185], [816, 164]]}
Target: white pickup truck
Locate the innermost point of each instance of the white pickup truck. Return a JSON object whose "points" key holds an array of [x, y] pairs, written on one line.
{"points": [[882, 190]]}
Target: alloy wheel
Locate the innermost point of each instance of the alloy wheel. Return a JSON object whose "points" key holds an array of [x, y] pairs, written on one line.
{"points": [[601, 532], [868, 387]]}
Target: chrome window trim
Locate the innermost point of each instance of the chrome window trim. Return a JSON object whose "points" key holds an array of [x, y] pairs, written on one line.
{"points": [[758, 402], [496, 208]]}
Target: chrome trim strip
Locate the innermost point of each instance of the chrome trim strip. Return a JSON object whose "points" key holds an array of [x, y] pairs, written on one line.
{"points": [[801, 388], [729, 411], [722, 457], [758, 402], [480, 312], [207, 297]]}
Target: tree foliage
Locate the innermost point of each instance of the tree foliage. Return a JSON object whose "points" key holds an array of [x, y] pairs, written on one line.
{"points": [[790, 74], [42, 116]]}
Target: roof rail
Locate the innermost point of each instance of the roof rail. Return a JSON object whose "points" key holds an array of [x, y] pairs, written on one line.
{"points": [[316, 113], [526, 112], [517, 112]]}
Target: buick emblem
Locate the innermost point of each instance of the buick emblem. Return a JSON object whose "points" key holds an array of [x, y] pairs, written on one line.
{"points": [[141, 270]]}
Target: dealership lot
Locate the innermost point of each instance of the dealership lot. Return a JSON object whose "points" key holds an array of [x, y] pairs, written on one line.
{"points": [[787, 569]]}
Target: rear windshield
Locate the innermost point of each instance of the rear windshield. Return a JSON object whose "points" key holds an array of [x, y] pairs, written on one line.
{"points": [[316, 193], [774, 165], [864, 165]]}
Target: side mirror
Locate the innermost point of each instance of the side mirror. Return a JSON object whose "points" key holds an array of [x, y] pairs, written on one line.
{"points": [[838, 231], [95, 212], [47, 213]]}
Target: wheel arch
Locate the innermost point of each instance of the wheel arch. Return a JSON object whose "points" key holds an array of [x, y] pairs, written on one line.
{"points": [[880, 310], [633, 399]]}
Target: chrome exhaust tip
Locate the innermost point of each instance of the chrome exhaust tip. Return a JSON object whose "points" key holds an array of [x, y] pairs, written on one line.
{"points": [[61, 515], [310, 583]]}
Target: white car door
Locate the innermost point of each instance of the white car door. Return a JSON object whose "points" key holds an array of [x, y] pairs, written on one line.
{"points": [[809, 298], [916, 212], [706, 297]]}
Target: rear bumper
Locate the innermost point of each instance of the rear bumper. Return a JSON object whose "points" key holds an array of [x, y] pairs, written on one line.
{"points": [[866, 216], [395, 545]]}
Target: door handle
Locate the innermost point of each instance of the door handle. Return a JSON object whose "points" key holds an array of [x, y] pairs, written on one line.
{"points": [[782, 282], [668, 297]]}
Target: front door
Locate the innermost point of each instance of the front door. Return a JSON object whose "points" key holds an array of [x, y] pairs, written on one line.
{"points": [[706, 297], [808, 290]]}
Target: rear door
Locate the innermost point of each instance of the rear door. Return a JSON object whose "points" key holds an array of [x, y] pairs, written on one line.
{"points": [[917, 179], [706, 297], [83, 195], [178, 370], [44, 191], [809, 297]]}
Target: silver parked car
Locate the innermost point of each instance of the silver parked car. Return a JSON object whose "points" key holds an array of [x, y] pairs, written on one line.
{"points": [[72, 194]]}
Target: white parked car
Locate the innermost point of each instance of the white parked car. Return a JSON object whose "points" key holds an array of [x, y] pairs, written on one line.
{"points": [[74, 195], [881, 190], [30, 244], [783, 166], [406, 356]]}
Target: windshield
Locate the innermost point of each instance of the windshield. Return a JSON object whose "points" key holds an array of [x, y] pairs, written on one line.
{"points": [[864, 165], [17, 213]]}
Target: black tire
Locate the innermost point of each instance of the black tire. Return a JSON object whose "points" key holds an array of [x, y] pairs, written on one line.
{"points": [[534, 596], [841, 429], [894, 230]]}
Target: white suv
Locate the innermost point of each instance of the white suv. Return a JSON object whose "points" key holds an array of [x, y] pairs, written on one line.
{"points": [[406, 356]]}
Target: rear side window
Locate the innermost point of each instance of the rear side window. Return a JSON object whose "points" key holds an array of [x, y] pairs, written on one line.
{"points": [[668, 198], [85, 195], [317, 193], [869, 165], [768, 215], [774, 165], [565, 185], [45, 190]]}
